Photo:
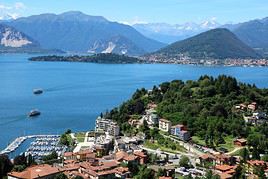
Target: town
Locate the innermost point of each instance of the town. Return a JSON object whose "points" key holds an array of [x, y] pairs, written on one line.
{"points": [[104, 153], [150, 145], [186, 60]]}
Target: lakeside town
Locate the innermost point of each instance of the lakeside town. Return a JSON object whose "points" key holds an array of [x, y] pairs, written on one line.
{"points": [[186, 60], [158, 148]]}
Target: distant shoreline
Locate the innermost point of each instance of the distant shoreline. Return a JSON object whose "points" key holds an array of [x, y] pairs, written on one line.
{"points": [[123, 59]]}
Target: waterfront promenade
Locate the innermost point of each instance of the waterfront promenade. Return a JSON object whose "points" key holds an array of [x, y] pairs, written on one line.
{"points": [[19, 140]]}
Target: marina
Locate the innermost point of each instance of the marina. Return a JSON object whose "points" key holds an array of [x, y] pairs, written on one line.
{"points": [[18, 141], [45, 145]]}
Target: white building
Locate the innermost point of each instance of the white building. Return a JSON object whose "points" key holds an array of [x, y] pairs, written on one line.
{"points": [[164, 125], [107, 125]]}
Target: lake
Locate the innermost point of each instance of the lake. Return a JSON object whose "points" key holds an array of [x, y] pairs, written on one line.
{"points": [[76, 93]]}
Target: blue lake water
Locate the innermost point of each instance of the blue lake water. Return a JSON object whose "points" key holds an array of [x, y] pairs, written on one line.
{"points": [[76, 93]]}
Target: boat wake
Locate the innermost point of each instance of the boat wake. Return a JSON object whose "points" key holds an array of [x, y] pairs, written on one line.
{"points": [[13, 119], [63, 87]]}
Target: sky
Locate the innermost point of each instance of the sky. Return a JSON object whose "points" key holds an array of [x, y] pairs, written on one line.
{"points": [[145, 11]]}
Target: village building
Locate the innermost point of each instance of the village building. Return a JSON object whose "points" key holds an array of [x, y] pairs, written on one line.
{"points": [[168, 169], [181, 132], [108, 126], [240, 142], [142, 157], [251, 164], [39, 171], [164, 125], [225, 171]]}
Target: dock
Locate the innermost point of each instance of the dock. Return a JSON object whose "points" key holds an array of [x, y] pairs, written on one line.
{"points": [[19, 140]]}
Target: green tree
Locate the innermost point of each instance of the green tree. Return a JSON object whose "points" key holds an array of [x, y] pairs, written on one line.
{"points": [[5, 165], [184, 161], [244, 153], [61, 176]]}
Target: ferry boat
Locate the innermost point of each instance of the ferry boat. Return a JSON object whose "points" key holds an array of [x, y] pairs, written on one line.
{"points": [[38, 91], [34, 112]]}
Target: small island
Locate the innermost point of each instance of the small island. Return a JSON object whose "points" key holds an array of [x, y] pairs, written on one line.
{"points": [[108, 58]]}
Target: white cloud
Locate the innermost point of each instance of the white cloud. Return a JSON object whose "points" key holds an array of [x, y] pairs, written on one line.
{"points": [[4, 7], [11, 11]]}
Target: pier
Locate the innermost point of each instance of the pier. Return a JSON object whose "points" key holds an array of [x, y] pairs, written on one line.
{"points": [[18, 141]]}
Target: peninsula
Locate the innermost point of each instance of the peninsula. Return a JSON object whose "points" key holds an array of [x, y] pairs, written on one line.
{"points": [[108, 58]]}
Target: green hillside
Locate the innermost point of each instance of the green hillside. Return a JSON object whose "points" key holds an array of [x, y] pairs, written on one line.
{"points": [[218, 43]]}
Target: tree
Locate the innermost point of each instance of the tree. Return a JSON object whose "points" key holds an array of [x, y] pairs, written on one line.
{"points": [[78, 177], [244, 153], [69, 131], [239, 172], [184, 161], [210, 175], [61, 176], [255, 154], [64, 140], [161, 172], [20, 160], [5, 165], [144, 172]]}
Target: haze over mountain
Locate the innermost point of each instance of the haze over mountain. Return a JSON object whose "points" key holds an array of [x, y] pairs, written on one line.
{"points": [[218, 43], [77, 32], [168, 33]]}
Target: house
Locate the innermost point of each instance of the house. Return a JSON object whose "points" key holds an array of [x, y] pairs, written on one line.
{"points": [[221, 159], [164, 125], [168, 169], [181, 132], [107, 125], [85, 155], [122, 156], [225, 171], [225, 176], [251, 164], [252, 106], [224, 168], [206, 158], [142, 157], [39, 171], [69, 156], [240, 142], [153, 119]]}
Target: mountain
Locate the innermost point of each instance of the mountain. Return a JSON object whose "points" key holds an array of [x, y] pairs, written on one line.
{"points": [[77, 32], [254, 33], [116, 44], [218, 43], [14, 40], [168, 33]]}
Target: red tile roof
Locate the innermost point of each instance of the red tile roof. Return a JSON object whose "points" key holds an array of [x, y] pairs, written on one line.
{"points": [[223, 168], [257, 162], [36, 172]]}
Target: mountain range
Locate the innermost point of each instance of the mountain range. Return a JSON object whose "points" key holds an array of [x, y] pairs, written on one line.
{"points": [[218, 43], [168, 33], [77, 32], [254, 33]]}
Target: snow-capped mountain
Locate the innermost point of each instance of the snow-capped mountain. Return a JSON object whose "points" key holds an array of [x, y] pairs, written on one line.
{"points": [[169, 33]]}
